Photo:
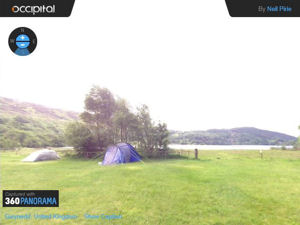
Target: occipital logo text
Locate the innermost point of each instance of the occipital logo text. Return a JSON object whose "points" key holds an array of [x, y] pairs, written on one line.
{"points": [[29, 9]]}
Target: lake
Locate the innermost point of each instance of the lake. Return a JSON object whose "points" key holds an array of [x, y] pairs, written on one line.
{"points": [[225, 147]]}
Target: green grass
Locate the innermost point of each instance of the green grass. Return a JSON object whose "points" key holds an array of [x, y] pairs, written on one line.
{"points": [[223, 187]]}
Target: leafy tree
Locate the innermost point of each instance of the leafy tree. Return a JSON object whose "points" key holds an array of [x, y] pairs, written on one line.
{"points": [[145, 132], [57, 140], [162, 135], [6, 143], [32, 142], [124, 122], [99, 108], [80, 137], [16, 138], [108, 121], [151, 138]]}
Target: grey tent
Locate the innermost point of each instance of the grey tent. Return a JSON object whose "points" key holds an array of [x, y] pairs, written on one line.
{"points": [[41, 155]]}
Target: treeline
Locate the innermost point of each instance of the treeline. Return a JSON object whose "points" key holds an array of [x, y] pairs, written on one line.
{"points": [[23, 131], [108, 120]]}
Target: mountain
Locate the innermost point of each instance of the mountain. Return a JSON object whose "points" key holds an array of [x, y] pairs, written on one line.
{"points": [[235, 136], [31, 125], [25, 124]]}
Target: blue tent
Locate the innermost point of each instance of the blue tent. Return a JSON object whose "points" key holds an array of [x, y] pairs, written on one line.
{"points": [[120, 153]]}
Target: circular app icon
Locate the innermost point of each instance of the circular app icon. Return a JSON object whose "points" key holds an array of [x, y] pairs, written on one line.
{"points": [[22, 41]]}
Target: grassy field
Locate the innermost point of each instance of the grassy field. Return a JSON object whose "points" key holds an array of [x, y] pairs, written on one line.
{"points": [[223, 187]]}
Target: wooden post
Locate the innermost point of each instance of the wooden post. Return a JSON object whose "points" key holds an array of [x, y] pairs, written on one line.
{"points": [[196, 153]]}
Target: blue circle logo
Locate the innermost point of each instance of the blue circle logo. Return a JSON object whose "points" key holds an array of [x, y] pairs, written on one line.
{"points": [[22, 41]]}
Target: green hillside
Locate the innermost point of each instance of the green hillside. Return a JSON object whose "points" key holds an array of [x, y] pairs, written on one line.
{"points": [[236, 136], [29, 125]]}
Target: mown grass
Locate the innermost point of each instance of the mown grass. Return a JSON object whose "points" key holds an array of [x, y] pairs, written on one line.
{"points": [[223, 187]]}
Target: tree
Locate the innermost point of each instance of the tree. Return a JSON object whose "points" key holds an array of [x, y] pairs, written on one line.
{"points": [[108, 121], [99, 108], [145, 132], [124, 122], [15, 138], [162, 135], [80, 137], [153, 139]]}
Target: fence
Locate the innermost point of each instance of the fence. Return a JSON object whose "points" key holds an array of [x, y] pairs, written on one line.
{"points": [[189, 154]]}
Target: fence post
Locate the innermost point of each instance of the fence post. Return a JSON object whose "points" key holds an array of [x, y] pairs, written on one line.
{"points": [[196, 153]]}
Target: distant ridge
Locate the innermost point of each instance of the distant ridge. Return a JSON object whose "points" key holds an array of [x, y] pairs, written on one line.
{"points": [[24, 124], [14, 107], [235, 136]]}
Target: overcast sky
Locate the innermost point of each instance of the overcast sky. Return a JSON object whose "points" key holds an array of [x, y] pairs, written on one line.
{"points": [[193, 65]]}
